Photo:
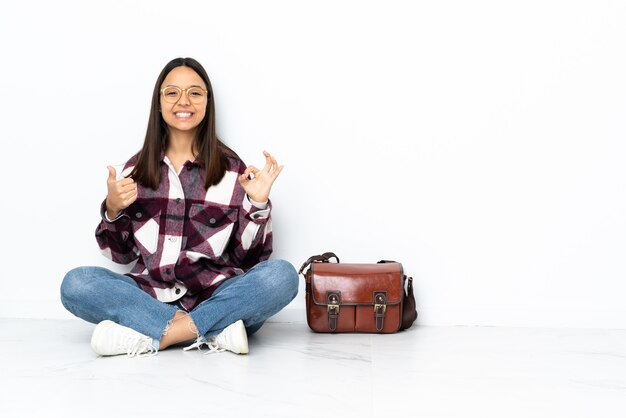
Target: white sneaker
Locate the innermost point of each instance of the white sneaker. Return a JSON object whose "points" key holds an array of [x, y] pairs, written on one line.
{"points": [[232, 338], [111, 339]]}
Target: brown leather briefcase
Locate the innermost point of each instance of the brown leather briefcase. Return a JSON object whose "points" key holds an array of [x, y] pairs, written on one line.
{"points": [[370, 298]]}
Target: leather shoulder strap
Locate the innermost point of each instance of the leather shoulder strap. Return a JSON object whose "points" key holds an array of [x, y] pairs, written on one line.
{"points": [[324, 258]]}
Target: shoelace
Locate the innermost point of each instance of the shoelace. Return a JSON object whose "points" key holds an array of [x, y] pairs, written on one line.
{"points": [[211, 343], [141, 348], [214, 348]]}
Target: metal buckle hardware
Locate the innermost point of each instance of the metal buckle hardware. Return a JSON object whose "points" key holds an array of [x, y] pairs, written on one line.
{"points": [[333, 302], [380, 305]]}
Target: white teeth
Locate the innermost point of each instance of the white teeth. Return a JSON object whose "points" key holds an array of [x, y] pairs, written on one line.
{"points": [[183, 114]]}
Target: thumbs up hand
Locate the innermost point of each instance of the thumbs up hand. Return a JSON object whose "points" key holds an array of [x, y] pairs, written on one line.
{"points": [[121, 194]]}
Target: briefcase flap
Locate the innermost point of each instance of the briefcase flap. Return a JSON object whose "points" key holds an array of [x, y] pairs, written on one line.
{"points": [[356, 283]]}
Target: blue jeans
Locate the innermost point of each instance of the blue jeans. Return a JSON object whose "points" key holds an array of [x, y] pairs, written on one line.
{"points": [[95, 294]]}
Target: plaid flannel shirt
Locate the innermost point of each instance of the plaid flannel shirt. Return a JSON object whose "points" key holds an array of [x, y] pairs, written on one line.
{"points": [[187, 239]]}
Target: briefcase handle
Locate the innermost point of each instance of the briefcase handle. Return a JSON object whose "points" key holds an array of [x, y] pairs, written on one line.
{"points": [[324, 258]]}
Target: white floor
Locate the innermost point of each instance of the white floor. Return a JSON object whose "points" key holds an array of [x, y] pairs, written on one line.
{"points": [[48, 370]]}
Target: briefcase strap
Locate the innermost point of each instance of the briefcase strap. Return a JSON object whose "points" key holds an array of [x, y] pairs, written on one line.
{"points": [[333, 303], [380, 307], [324, 258]]}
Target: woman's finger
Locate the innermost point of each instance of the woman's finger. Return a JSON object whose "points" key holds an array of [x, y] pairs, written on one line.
{"points": [[129, 201], [128, 195], [268, 162], [251, 170], [274, 164], [277, 171], [128, 187], [125, 181]]}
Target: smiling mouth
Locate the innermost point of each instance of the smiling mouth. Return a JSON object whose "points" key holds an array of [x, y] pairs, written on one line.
{"points": [[183, 114]]}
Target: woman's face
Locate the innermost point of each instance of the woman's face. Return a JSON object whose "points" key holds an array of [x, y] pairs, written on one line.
{"points": [[186, 113]]}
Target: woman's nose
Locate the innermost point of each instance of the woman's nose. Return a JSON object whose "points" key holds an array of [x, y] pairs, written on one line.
{"points": [[184, 99]]}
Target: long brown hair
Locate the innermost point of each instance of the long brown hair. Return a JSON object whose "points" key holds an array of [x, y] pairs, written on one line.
{"points": [[212, 152]]}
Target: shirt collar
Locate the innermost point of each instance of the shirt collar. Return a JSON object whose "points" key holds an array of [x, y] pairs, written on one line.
{"points": [[195, 163]]}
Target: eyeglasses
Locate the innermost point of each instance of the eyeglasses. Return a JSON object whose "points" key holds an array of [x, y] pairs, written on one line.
{"points": [[172, 94]]}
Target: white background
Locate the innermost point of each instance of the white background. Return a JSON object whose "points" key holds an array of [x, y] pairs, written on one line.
{"points": [[480, 143]]}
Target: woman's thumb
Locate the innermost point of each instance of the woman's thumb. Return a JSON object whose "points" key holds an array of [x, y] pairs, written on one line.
{"points": [[112, 174]]}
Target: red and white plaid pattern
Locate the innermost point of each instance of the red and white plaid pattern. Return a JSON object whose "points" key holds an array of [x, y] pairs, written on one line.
{"points": [[187, 239]]}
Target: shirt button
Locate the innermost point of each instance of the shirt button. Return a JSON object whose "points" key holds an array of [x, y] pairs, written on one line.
{"points": [[177, 291], [189, 167], [178, 200], [138, 215], [212, 221], [168, 271], [172, 239]]}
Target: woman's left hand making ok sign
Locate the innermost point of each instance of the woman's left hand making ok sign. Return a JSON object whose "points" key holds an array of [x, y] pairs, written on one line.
{"points": [[258, 183]]}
